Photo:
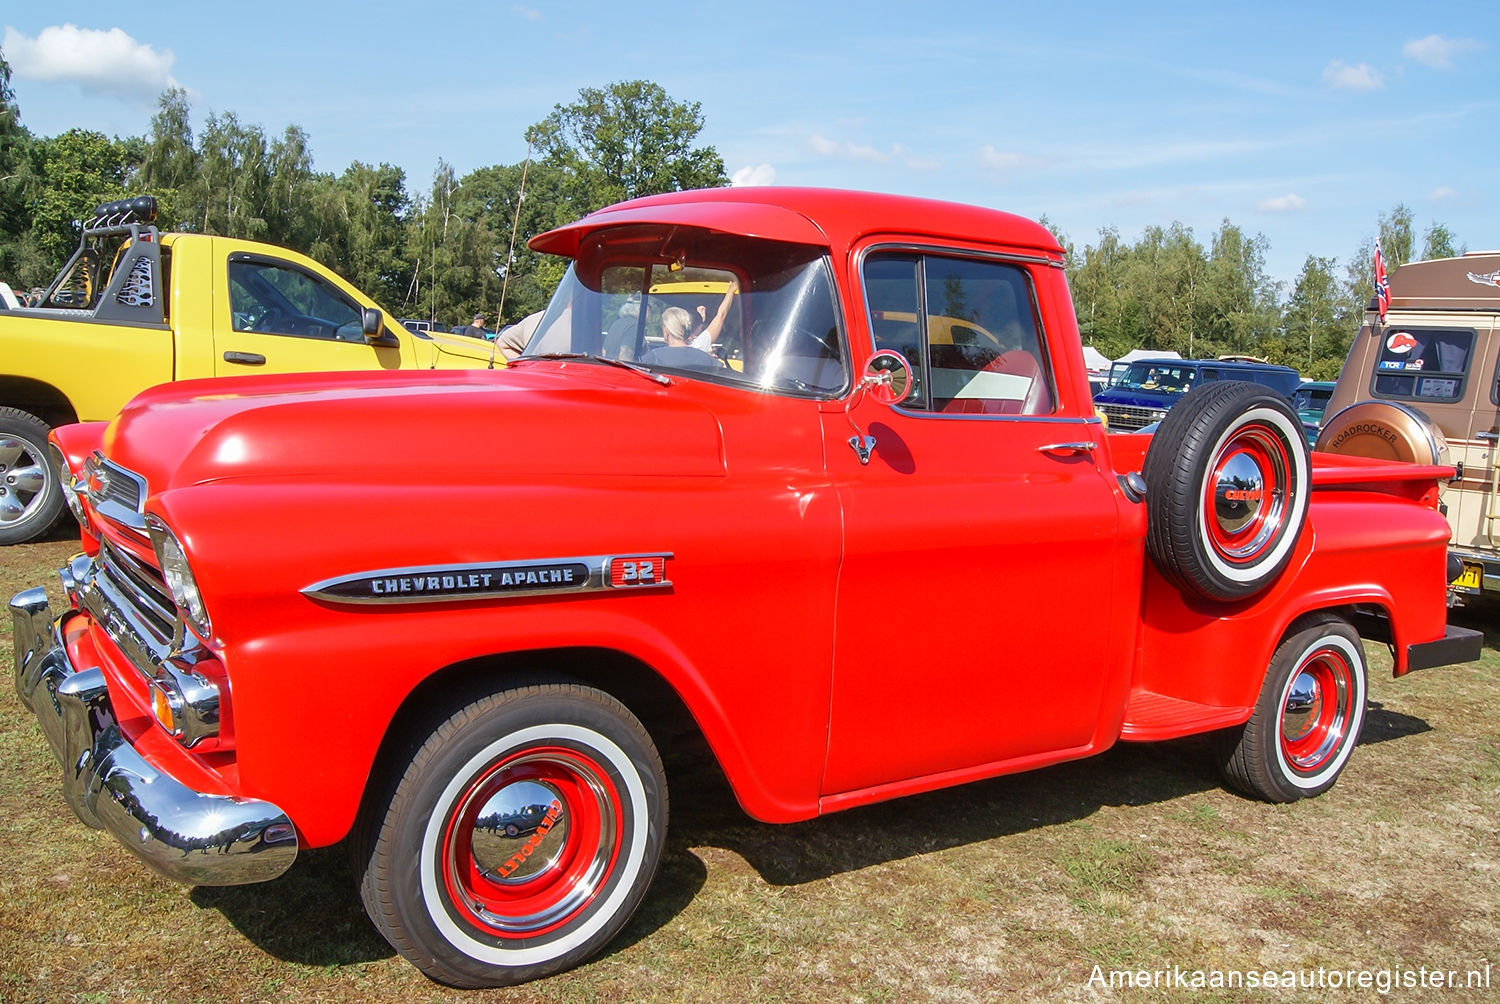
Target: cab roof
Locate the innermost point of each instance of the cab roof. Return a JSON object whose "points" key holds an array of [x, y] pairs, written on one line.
{"points": [[824, 217]]}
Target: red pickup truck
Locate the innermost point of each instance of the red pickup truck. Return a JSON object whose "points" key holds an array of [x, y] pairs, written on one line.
{"points": [[855, 521]]}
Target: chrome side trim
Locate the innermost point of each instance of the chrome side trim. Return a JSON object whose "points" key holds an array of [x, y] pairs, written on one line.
{"points": [[182, 834], [492, 580]]}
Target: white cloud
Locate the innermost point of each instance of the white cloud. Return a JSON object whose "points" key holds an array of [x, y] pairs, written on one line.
{"points": [[1288, 203], [825, 147], [1352, 78], [754, 174], [1438, 52], [821, 145], [104, 62], [1440, 193], [1005, 160]]}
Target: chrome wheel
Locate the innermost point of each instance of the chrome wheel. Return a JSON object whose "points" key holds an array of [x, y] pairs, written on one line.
{"points": [[1307, 718], [519, 839], [30, 493], [527, 846], [1315, 710], [23, 479]]}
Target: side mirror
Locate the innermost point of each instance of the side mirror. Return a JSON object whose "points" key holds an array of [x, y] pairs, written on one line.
{"points": [[372, 323], [887, 377]]}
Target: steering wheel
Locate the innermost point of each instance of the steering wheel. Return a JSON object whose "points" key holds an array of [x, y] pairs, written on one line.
{"points": [[825, 348], [265, 321]]}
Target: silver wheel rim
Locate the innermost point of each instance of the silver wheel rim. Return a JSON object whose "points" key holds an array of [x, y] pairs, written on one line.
{"points": [[23, 481]]}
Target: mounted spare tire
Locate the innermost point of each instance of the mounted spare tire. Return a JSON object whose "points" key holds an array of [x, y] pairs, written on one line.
{"points": [[1226, 490], [1384, 430]]}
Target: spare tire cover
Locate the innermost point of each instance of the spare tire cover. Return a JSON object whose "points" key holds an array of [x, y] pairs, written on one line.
{"points": [[1384, 430]]}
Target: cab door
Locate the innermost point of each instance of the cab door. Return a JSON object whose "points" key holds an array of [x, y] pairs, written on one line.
{"points": [[980, 540], [279, 317]]}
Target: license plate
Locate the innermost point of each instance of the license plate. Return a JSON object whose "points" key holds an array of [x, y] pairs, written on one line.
{"points": [[1472, 577]]}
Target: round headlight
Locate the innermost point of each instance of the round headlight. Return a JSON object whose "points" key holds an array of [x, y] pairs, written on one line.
{"points": [[70, 486], [179, 577]]}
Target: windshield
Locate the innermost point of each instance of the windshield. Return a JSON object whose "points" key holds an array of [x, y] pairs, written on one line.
{"points": [[705, 306], [1159, 376]]}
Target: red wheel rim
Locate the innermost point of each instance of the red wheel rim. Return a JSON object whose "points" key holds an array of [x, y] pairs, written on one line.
{"points": [[531, 841], [1247, 493], [1316, 709]]}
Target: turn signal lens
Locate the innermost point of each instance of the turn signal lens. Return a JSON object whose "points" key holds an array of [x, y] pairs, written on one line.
{"points": [[163, 706]]}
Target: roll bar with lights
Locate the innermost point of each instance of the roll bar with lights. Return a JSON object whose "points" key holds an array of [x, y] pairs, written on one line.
{"points": [[132, 292]]}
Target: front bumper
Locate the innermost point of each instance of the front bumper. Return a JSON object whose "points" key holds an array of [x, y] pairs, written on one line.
{"points": [[184, 834]]}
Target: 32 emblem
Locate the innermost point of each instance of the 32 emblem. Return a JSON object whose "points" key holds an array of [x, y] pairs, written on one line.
{"points": [[638, 571]]}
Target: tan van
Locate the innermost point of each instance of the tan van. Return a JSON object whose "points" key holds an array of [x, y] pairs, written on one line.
{"points": [[1423, 386]]}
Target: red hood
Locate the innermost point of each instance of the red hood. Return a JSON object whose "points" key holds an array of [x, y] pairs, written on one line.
{"points": [[414, 428]]}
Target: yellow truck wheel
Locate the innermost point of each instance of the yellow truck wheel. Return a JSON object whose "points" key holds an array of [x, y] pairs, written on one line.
{"points": [[30, 496]]}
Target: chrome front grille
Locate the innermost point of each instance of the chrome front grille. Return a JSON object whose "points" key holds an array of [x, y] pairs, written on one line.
{"points": [[1125, 417], [130, 599]]}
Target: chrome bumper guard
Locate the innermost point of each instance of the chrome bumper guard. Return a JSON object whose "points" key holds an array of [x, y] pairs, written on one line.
{"points": [[183, 834]]}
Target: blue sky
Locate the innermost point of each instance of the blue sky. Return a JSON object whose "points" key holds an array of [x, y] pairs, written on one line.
{"points": [[1303, 122]]}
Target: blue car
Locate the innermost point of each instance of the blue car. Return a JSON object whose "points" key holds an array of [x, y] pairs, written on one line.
{"points": [[1149, 387]]}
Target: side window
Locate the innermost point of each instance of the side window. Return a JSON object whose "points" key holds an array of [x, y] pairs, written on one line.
{"points": [[1423, 364], [284, 300], [977, 348]]}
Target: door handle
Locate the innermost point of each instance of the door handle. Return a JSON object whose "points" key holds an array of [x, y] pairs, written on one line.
{"points": [[248, 358], [1066, 449], [1488, 437]]}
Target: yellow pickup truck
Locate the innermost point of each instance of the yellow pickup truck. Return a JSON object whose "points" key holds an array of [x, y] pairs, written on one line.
{"points": [[135, 307]]}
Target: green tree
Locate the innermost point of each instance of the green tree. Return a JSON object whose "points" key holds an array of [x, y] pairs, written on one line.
{"points": [[1240, 298], [1315, 317], [1107, 314], [1397, 239], [454, 258], [1439, 242], [14, 141], [82, 168], [493, 195], [288, 192], [623, 141], [356, 225], [228, 194], [170, 162]]}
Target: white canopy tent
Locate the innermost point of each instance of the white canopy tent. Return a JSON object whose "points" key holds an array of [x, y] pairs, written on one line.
{"points": [[1135, 354], [1096, 361]]}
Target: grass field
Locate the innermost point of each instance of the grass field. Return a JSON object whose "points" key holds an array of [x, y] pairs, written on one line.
{"points": [[1011, 889]]}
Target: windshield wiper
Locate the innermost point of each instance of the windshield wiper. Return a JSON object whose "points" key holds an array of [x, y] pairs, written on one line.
{"points": [[660, 378]]}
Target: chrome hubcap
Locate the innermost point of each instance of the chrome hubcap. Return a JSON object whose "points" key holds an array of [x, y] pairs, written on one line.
{"points": [[507, 827], [1316, 710], [1304, 704], [1239, 493]]}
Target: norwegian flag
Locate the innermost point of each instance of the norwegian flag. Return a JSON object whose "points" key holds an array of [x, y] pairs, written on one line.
{"points": [[1382, 285]]}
